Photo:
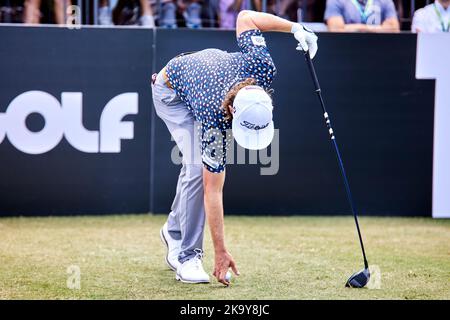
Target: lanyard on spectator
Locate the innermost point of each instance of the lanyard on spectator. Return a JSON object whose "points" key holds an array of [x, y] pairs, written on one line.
{"points": [[444, 28], [364, 13]]}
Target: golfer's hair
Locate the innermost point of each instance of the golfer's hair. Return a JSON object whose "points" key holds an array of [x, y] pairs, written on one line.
{"points": [[229, 98]]}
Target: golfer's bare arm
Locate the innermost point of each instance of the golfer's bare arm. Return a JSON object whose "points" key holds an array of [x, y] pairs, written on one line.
{"points": [[249, 20], [213, 191], [337, 24], [213, 196]]}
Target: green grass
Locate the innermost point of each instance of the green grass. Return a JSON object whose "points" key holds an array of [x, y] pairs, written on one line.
{"points": [[121, 257]]}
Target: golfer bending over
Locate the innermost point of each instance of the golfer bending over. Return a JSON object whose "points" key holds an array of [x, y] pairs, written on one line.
{"points": [[200, 96]]}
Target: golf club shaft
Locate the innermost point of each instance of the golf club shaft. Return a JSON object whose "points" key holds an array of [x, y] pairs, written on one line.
{"points": [[336, 149]]}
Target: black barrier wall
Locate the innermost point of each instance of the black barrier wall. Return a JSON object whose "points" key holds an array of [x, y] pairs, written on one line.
{"points": [[101, 65], [383, 119]]}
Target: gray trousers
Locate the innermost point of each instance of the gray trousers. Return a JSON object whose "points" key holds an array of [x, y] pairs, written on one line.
{"points": [[186, 220]]}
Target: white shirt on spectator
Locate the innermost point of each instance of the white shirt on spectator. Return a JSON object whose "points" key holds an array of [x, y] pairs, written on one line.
{"points": [[427, 20]]}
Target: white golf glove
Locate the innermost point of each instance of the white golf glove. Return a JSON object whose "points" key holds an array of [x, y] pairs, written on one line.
{"points": [[307, 40]]}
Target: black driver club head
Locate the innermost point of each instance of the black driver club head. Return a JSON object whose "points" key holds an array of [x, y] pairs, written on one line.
{"points": [[358, 279]]}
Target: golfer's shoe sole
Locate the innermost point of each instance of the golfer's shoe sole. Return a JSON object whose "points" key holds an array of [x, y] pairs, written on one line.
{"points": [[188, 281], [164, 241]]}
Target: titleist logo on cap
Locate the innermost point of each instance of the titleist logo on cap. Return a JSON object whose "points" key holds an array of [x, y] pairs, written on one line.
{"points": [[253, 126]]}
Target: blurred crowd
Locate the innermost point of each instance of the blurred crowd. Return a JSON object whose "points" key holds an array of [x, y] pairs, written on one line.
{"points": [[335, 15]]}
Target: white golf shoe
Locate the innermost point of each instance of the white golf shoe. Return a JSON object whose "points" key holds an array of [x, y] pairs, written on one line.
{"points": [[191, 271], [173, 248]]}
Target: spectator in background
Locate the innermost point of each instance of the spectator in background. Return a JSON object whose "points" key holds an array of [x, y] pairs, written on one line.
{"points": [[191, 10], [168, 15], [33, 12], [229, 10], [286, 9], [298, 10], [127, 12], [105, 13], [140, 12], [361, 16], [11, 11], [434, 17]]}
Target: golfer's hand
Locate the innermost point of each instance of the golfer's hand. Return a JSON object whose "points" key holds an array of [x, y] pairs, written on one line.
{"points": [[224, 261], [307, 40]]}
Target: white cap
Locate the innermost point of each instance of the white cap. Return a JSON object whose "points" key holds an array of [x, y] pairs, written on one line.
{"points": [[252, 118]]}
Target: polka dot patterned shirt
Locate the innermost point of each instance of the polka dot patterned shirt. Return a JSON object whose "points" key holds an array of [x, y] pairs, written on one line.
{"points": [[203, 79]]}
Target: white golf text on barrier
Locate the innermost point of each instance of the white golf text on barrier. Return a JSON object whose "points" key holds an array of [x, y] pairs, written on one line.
{"points": [[65, 120]]}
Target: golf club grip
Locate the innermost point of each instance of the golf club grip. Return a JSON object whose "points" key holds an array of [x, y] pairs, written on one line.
{"points": [[336, 149], [312, 71]]}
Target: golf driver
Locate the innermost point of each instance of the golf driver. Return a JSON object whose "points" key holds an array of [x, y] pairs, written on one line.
{"points": [[360, 278]]}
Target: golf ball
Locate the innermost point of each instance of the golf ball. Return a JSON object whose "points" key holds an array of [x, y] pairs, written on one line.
{"points": [[228, 276]]}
